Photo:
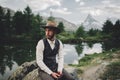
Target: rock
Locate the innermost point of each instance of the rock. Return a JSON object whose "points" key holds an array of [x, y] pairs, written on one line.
{"points": [[32, 75], [72, 71], [23, 70], [29, 71]]}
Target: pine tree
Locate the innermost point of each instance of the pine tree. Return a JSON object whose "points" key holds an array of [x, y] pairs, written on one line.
{"points": [[18, 23], [2, 20], [116, 30], [37, 32], [8, 26], [107, 27], [28, 18], [61, 26], [80, 32]]}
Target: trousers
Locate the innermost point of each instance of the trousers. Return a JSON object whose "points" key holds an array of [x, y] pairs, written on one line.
{"points": [[65, 76]]}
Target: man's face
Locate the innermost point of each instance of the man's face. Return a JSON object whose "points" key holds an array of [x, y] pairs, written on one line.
{"points": [[50, 33]]}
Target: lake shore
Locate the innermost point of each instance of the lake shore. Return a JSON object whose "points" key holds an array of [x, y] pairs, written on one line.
{"points": [[99, 66]]}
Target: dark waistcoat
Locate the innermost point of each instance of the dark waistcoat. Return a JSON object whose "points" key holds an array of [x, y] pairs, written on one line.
{"points": [[49, 55]]}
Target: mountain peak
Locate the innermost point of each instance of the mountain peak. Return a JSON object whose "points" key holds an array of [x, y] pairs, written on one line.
{"points": [[90, 19], [91, 23]]}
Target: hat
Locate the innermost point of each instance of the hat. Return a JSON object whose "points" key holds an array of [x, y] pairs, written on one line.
{"points": [[52, 25]]}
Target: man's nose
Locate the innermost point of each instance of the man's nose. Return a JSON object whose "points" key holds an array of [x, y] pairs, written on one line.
{"points": [[47, 32]]}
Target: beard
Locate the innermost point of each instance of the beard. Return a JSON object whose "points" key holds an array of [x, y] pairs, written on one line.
{"points": [[50, 37]]}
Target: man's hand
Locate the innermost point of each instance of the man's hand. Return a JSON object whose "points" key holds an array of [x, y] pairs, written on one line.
{"points": [[60, 73], [55, 75]]}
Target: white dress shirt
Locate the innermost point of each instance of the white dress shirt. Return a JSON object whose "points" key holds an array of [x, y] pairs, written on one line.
{"points": [[39, 56]]}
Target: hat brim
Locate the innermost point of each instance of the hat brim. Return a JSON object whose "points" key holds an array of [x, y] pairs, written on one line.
{"points": [[50, 27]]}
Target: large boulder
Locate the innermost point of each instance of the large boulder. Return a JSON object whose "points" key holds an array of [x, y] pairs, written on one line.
{"points": [[25, 69], [29, 71]]}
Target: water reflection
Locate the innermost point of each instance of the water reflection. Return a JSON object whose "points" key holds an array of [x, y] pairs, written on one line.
{"points": [[13, 55], [71, 55], [8, 71], [93, 48], [111, 44]]}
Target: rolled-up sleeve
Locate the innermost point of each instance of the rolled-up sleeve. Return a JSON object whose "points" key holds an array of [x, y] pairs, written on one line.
{"points": [[60, 57], [39, 57]]}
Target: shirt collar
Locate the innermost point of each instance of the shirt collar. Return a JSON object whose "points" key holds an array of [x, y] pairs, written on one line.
{"points": [[51, 42]]}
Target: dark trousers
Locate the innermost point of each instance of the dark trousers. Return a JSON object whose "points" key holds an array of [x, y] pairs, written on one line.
{"points": [[65, 76]]}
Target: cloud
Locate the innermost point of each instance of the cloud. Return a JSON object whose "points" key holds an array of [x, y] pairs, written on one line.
{"points": [[42, 4], [77, 0], [106, 8], [61, 11], [91, 10], [35, 5], [82, 3], [106, 2], [112, 9], [13, 4], [96, 12]]}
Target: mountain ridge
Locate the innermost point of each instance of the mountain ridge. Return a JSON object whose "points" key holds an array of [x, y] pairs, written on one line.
{"points": [[91, 23]]}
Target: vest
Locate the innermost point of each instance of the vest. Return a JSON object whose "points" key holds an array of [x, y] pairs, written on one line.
{"points": [[49, 55]]}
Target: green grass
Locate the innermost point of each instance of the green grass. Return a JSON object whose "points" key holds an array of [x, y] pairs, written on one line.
{"points": [[94, 58], [112, 71]]}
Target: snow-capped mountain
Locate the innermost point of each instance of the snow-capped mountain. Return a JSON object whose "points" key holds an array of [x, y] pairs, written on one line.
{"points": [[90, 23]]}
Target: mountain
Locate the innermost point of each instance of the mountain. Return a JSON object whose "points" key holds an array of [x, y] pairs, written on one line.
{"points": [[90, 23], [70, 27], [5, 10]]}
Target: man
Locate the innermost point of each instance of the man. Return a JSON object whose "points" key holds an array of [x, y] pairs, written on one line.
{"points": [[49, 55]]}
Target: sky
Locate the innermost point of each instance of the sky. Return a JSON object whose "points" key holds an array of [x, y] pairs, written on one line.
{"points": [[74, 11]]}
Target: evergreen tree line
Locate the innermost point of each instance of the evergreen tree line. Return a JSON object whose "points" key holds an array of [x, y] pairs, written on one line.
{"points": [[112, 30], [109, 31], [21, 25]]}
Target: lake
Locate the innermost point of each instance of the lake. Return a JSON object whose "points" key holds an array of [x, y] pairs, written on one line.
{"points": [[13, 55], [72, 56]]}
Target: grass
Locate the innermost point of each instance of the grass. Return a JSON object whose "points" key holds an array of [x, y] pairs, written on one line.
{"points": [[112, 71], [96, 58]]}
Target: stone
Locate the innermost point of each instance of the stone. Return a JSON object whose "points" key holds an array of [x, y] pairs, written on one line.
{"points": [[29, 71]]}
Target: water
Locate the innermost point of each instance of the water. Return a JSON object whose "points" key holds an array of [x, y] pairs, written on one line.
{"points": [[13, 55], [72, 56]]}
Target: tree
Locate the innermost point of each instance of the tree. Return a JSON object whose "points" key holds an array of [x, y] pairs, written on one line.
{"points": [[18, 23], [107, 27], [61, 26], [93, 32], [37, 32], [116, 30], [80, 32], [51, 18], [28, 18], [8, 25], [2, 20]]}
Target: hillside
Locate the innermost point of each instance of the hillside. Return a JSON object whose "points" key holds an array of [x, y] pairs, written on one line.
{"points": [[100, 66], [68, 25]]}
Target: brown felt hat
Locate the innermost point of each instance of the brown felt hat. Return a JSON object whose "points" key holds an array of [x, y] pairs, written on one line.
{"points": [[52, 25]]}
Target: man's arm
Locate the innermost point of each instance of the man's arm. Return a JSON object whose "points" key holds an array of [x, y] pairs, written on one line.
{"points": [[60, 58], [39, 57]]}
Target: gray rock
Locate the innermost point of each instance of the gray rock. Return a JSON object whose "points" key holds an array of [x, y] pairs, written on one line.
{"points": [[29, 71]]}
